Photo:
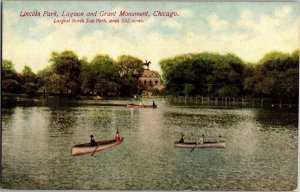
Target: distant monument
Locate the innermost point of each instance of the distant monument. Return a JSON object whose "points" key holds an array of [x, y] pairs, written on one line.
{"points": [[150, 78], [147, 63]]}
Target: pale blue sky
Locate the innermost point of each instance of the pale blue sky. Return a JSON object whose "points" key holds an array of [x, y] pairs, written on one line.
{"points": [[248, 30]]}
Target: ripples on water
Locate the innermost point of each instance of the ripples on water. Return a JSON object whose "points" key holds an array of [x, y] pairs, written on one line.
{"points": [[260, 153]]}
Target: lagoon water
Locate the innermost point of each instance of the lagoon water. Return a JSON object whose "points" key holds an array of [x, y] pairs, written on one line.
{"points": [[37, 136]]}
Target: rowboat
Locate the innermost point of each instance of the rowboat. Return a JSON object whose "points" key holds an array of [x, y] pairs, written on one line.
{"points": [[86, 148], [200, 145], [141, 106]]}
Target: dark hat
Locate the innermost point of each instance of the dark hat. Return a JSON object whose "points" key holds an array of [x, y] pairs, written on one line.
{"points": [[92, 136]]}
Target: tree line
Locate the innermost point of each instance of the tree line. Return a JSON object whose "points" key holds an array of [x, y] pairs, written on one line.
{"points": [[69, 75], [205, 74], [214, 75]]}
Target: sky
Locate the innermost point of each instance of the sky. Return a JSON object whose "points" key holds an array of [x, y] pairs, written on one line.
{"points": [[246, 29]]}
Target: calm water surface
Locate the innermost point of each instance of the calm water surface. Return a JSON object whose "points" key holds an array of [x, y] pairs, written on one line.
{"points": [[260, 154]]}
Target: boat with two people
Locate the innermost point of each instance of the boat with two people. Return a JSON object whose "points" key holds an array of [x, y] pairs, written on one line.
{"points": [[142, 105], [87, 148]]}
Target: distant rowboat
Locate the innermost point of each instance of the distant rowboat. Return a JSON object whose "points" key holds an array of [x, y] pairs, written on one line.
{"points": [[200, 145], [86, 148], [141, 106]]}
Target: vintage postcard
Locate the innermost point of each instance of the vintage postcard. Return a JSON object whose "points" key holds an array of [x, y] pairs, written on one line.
{"points": [[151, 95]]}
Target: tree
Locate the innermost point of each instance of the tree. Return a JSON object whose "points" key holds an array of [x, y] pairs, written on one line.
{"points": [[99, 76], [105, 72], [8, 70], [226, 78], [203, 74], [87, 78], [66, 67], [10, 79], [188, 88], [276, 75], [10, 85], [28, 80], [104, 67], [130, 69], [44, 80]]}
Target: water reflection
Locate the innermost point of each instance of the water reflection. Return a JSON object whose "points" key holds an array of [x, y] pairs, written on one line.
{"points": [[277, 119], [260, 153]]}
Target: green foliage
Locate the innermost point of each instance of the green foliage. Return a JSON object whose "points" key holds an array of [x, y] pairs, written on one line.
{"points": [[99, 76], [188, 88], [8, 70], [10, 78], [211, 74], [66, 69], [104, 67], [10, 85], [207, 74], [43, 79], [28, 80], [203, 74], [276, 75], [226, 77], [154, 91], [130, 69]]}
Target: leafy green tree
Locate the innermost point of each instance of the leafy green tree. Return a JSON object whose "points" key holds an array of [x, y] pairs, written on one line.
{"points": [[10, 85], [106, 74], [188, 68], [226, 77], [104, 66], [66, 69], [10, 78], [276, 75], [8, 70], [44, 81], [29, 80], [87, 78], [130, 69], [203, 74], [188, 88], [99, 76]]}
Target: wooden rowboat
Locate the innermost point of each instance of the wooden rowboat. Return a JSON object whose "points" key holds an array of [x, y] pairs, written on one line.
{"points": [[86, 148], [141, 106], [203, 145]]}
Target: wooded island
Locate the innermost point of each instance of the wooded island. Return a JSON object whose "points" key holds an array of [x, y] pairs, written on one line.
{"points": [[207, 74]]}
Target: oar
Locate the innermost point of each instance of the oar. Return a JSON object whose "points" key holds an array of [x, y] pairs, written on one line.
{"points": [[194, 147], [95, 150]]}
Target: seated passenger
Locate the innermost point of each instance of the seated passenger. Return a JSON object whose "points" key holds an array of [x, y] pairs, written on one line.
{"points": [[93, 142], [117, 137], [181, 140]]}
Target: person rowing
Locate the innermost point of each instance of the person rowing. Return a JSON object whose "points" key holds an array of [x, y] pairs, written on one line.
{"points": [[201, 140], [141, 103], [93, 142]]}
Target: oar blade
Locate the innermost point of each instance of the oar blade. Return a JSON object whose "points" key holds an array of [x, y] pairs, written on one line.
{"points": [[193, 148], [95, 150]]}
